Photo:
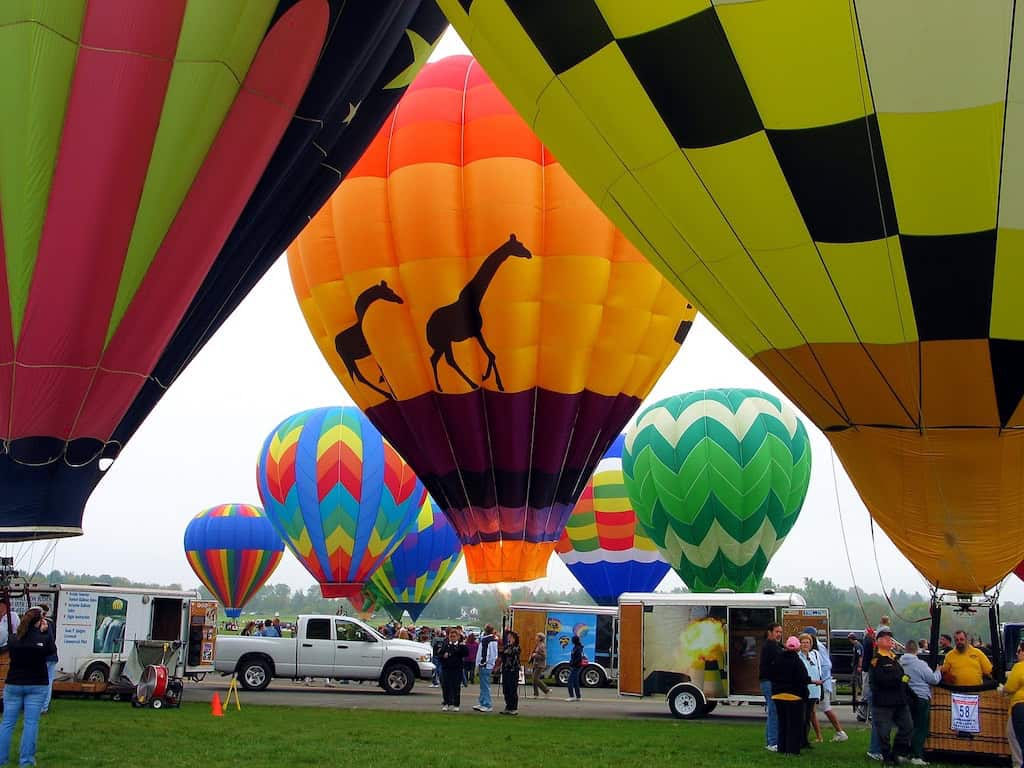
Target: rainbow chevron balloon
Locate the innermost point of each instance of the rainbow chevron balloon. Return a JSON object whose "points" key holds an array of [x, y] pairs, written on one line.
{"points": [[338, 494], [603, 544], [234, 549], [717, 478], [421, 563]]}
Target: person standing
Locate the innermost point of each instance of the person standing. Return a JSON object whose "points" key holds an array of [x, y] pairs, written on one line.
{"points": [[888, 700], [1014, 686], [789, 692], [828, 686], [510, 664], [469, 665], [26, 685], [965, 664], [812, 662], [51, 661], [539, 665], [922, 678], [770, 651], [575, 668], [486, 656], [451, 655]]}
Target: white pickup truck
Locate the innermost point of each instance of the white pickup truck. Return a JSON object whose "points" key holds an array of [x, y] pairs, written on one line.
{"points": [[338, 647]]}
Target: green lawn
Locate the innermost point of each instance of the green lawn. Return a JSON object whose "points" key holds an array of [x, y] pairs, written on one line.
{"points": [[98, 733]]}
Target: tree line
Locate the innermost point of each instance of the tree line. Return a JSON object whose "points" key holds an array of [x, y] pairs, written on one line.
{"points": [[847, 608]]}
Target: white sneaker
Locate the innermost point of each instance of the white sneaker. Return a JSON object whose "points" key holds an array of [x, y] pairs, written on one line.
{"points": [[840, 736], [772, 747], [918, 761], [486, 709], [444, 707], [571, 698], [478, 708], [876, 756], [453, 709]]}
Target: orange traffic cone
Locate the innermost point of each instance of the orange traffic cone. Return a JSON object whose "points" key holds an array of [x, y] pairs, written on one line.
{"points": [[215, 710]]}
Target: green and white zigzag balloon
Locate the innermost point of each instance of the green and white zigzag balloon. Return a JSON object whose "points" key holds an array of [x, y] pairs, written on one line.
{"points": [[717, 478]]}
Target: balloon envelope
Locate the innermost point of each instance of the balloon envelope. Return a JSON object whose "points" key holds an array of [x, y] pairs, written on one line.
{"points": [[164, 155], [836, 186], [338, 494], [718, 478], [603, 544], [420, 563], [486, 316], [233, 549]]}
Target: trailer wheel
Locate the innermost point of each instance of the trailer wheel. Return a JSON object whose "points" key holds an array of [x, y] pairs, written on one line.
{"points": [[157, 703], [561, 674], [687, 702], [397, 679], [97, 672], [254, 674], [592, 677]]}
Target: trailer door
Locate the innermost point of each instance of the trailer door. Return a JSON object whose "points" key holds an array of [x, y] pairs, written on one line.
{"points": [[631, 650], [529, 622]]}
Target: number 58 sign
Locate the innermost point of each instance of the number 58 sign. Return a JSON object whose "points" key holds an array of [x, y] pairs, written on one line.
{"points": [[965, 716]]}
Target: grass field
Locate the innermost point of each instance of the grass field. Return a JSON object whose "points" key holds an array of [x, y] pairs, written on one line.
{"points": [[96, 733]]}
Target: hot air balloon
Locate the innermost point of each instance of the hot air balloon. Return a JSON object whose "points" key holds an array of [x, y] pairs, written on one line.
{"points": [[420, 564], [603, 544], [835, 185], [338, 495], [156, 159], [489, 320], [718, 478], [234, 549], [366, 602]]}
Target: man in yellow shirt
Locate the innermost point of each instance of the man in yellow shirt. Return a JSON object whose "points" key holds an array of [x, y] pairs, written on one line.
{"points": [[965, 664]]}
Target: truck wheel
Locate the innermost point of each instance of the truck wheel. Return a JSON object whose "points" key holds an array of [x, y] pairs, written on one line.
{"points": [[592, 677], [686, 702], [561, 675], [254, 674], [397, 679], [97, 672]]}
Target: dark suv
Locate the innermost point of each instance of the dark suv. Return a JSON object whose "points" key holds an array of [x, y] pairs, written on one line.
{"points": [[841, 651]]}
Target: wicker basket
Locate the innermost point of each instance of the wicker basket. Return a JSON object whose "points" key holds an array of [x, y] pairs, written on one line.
{"points": [[993, 715]]}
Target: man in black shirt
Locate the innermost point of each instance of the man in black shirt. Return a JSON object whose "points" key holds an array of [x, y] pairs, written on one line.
{"points": [[770, 651]]}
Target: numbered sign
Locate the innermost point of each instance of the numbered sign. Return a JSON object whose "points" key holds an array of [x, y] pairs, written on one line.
{"points": [[965, 714]]}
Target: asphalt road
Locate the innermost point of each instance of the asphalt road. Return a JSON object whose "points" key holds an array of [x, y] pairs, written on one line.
{"points": [[602, 703]]}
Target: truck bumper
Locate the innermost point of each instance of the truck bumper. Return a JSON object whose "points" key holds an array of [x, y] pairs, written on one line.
{"points": [[426, 670]]}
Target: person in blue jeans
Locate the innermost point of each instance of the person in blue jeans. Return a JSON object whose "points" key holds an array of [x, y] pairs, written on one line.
{"points": [[51, 661], [770, 652], [27, 685], [575, 667], [486, 657]]}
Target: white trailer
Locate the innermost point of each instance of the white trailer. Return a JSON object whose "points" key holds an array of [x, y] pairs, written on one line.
{"points": [[104, 632], [700, 650]]}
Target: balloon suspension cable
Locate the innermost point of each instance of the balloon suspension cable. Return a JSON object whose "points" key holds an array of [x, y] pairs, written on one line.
{"points": [[846, 546], [881, 581]]}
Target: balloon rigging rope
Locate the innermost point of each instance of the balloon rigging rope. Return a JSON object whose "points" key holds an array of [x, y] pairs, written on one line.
{"points": [[885, 591], [846, 546]]}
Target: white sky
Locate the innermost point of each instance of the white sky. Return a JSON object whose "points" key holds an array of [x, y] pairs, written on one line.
{"points": [[199, 448]]}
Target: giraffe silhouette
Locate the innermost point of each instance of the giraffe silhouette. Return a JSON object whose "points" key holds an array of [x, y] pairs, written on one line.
{"points": [[461, 320], [351, 342]]}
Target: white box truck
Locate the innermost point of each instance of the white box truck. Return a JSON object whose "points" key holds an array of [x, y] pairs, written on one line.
{"points": [[699, 650]]}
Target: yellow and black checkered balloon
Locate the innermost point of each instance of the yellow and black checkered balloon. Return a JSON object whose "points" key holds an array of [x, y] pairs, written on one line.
{"points": [[839, 186]]}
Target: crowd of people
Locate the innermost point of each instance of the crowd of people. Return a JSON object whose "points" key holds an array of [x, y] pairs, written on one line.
{"points": [[796, 681]]}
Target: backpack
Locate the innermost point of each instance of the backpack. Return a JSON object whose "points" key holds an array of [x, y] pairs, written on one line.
{"points": [[485, 643]]}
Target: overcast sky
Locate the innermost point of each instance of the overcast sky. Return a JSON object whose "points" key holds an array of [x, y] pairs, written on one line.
{"points": [[199, 449]]}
